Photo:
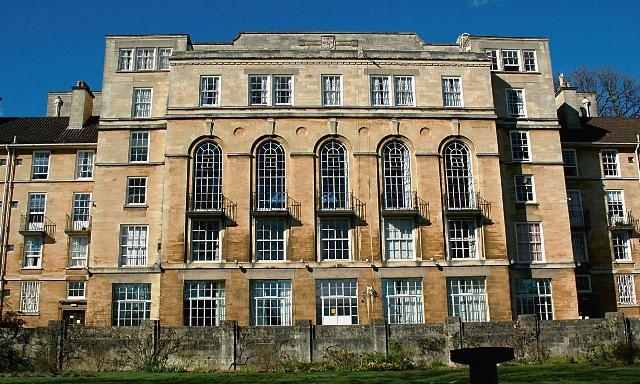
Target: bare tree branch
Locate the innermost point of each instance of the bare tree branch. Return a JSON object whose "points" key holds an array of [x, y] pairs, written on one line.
{"points": [[617, 94]]}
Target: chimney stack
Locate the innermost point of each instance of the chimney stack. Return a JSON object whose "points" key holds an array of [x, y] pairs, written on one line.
{"points": [[81, 105]]}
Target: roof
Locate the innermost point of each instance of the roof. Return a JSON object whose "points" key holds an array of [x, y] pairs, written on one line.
{"points": [[46, 130], [604, 130]]}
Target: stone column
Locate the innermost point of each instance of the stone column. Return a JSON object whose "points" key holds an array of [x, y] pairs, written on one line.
{"points": [[302, 336], [228, 344], [378, 334]]}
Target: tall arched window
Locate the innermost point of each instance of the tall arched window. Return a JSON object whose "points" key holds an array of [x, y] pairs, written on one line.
{"points": [[334, 176], [207, 177], [270, 176], [396, 175], [459, 177]]}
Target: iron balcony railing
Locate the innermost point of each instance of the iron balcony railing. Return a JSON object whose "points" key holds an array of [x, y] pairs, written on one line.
{"points": [[77, 224], [275, 203], [467, 203], [625, 222], [405, 203], [218, 205], [31, 224], [339, 203]]}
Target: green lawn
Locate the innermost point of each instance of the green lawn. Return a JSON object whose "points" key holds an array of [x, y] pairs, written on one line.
{"points": [[556, 373]]}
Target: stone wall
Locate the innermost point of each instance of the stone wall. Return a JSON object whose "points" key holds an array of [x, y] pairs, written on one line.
{"points": [[230, 346]]}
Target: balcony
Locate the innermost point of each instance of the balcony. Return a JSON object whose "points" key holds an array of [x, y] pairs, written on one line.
{"points": [[341, 204], [406, 204], [626, 222], [77, 226], [275, 204], [216, 206], [36, 225], [467, 205]]}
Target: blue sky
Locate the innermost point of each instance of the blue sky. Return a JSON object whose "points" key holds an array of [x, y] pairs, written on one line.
{"points": [[49, 45]]}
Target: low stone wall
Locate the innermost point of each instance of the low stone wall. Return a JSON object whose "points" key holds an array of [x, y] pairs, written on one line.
{"points": [[230, 346]]}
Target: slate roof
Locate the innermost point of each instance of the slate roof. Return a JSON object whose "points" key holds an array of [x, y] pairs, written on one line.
{"points": [[46, 130], [604, 130]]}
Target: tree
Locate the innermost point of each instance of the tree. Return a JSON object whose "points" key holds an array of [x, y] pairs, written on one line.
{"points": [[617, 94]]}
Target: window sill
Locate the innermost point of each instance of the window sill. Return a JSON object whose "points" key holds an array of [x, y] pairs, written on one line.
{"points": [[528, 203], [76, 268], [212, 106], [517, 72], [84, 178], [31, 269], [136, 71], [28, 313], [623, 261], [136, 206]]}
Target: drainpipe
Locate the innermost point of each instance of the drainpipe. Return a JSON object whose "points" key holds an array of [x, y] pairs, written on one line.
{"points": [[5, 221]]}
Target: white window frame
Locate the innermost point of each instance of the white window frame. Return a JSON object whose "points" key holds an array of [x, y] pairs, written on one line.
{"points": [[396, 174], [534, 297], [334, 176], [610, 163], [516, 102], [163, 58], [210, 91], [381, 90], [131, 304], [84, 164], [270, 243], [139, 143], [78, 251], [30, 297], [332, 232], [204, 303], [579, 247], [514, 64], [529, 64], [145, 59], [570, 163], [467, 298], [462, 239], [283, 89], [40, 162], [134, 245], [36, 211], [337, 302], [142, 103], [404, 94], [520, 146], [332, 90], [270, 92], [33, 252], [76, 290], [626, 289], [525, 189], [452, 96], [616, 210], [494, 56], [403, 301], [271, 302], [263, 92], [399, 241], [126, 59], [207, 178], [621, 246], [81, 211], [205, 240], [136, 191], [529, 242], [583, 286], [459, 176]]}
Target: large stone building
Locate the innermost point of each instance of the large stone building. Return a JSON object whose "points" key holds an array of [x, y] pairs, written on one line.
{"points": [[337, 177]]}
